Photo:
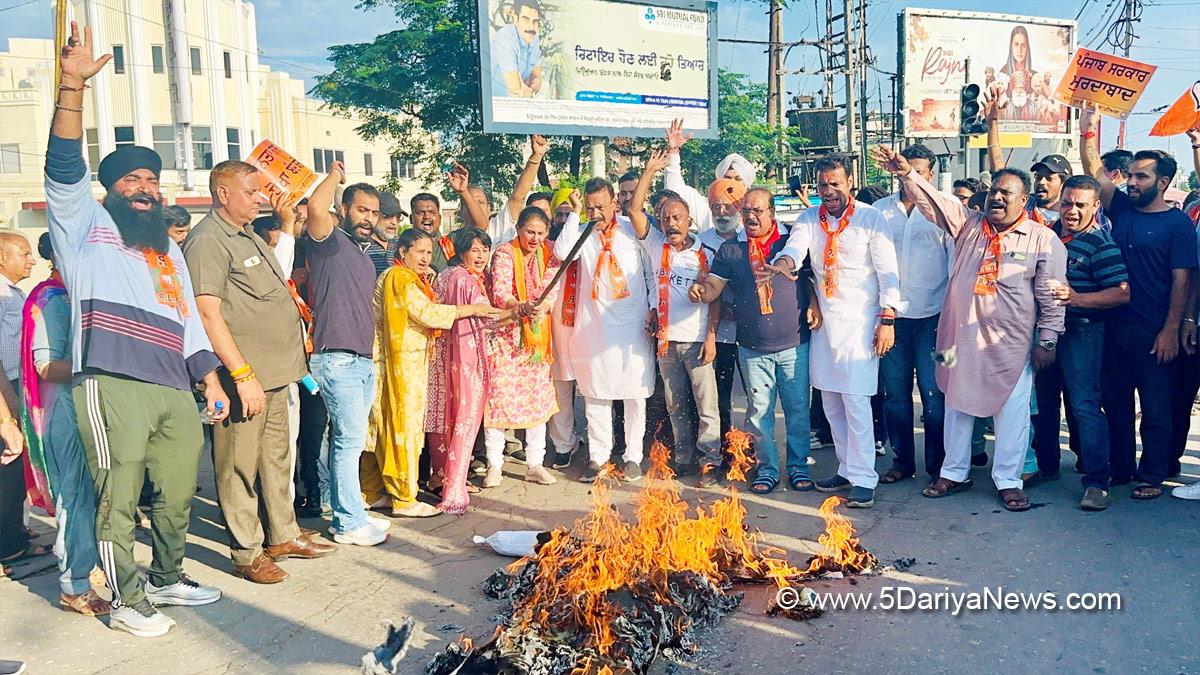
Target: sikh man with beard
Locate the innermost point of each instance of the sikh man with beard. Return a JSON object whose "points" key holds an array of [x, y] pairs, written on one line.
{"points": [[853, 260], [341, 294], [254, 326], [139, 345], [1000, 294], [1143, 338]]}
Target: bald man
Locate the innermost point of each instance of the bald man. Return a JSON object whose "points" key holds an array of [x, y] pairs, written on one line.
{"points": [[16, 263]]}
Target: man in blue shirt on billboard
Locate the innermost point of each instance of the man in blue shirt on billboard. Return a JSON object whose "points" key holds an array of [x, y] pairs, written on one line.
{"points": [[517, 53]]}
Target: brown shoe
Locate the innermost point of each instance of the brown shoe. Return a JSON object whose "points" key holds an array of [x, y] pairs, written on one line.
{"points": [[300, 547], [306, 533], [262, 571]]}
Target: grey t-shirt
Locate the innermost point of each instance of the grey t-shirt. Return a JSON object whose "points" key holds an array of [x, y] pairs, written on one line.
{"points": [[341, 282]]}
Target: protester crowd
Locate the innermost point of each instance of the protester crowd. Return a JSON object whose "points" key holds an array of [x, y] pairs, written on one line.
{"points": [[338, 363]]}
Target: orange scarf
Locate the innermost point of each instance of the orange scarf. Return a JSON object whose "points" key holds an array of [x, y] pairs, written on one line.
{"points": [[570, 303], [664, 293], [168, 287], [447, 245], [535, 334], [306, 315], [760, 247], [989, 266], [829, 286], [608, 259]]}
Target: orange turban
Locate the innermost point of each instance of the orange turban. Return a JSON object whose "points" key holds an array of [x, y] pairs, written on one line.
{"points": [[726, 190]]}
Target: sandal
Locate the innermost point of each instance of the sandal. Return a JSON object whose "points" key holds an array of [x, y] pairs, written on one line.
{"points": [[1146, 491], [801, 482], [87, 604], [764, 485], [1014, 499], [31, 551], [894, 476], [944, 487]]}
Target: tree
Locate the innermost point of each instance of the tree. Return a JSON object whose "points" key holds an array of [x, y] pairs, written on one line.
{"points": [[1193, 181]]}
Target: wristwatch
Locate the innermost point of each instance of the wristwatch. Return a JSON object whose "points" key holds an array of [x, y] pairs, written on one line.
{"points": [[887, 321], [1048, 345]]}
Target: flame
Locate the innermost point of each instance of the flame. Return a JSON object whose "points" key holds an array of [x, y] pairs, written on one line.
{"points": [[841, 548], [739, 454]]}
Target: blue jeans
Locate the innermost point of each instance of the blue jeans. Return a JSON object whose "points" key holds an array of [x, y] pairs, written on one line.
{"points": [[1075, 373], [915, 344], [75, 498], [782, 375], [348, 388]]}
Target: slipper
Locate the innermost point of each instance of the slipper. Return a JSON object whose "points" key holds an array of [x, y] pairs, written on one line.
{"points": [[1014, 499], [943, 487], [1146, 491], [87, 604], [416, 510], [31, 551], [801, 482], [764, 485], [894, 476]]}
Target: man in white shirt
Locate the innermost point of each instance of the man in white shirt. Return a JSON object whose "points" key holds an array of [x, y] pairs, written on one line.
{"points": [[854, 263], [923, 252]]}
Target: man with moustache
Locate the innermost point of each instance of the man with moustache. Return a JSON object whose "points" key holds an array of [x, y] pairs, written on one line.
{"points": [[383, 234], [1143, 338], [254, 326], [517, 52], [1000, 294], [426, 215], [1096, 281], [341, 294], [139, 346]]}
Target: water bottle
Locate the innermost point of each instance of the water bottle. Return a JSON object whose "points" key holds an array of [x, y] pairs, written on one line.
{"points": [[310, 385], [207, 416]]}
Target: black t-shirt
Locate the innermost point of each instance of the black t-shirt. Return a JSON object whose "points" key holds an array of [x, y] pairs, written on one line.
{"points": [[1152, 244], [341, 286], [785, 326]]}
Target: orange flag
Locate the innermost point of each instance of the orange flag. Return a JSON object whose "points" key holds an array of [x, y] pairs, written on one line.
{"points": [[1184, 114]]}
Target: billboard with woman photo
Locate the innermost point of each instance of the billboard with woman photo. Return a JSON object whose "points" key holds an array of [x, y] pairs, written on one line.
{"points": [[1026, 55]]}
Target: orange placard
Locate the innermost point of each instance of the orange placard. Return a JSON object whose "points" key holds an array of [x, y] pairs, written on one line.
{"points": [[1112, 83], [1184, 114], [280, 173]]}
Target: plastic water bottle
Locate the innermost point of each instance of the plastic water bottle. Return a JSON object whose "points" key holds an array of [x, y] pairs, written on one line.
{"points": [[310, 385], [207, 417]]}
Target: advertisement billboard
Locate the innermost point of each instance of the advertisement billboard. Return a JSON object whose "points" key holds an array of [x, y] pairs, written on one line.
{"points": [[598, 67], [1027, 55]]}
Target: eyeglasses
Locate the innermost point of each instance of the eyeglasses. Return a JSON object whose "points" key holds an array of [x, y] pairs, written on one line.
{"points": [[754, 212]]}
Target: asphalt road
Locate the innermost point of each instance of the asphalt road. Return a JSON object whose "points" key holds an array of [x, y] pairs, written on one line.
{"points": [[328, 614]]}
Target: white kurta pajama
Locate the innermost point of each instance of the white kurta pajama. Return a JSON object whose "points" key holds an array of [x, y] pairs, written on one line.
{"points": [[610, 353], [561, 427], [842, 361]]}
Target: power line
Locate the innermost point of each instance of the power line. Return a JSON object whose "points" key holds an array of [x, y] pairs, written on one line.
{"points": [[20, 4]]}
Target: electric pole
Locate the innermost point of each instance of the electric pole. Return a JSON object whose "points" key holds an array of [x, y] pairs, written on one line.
{"points": [[850, 49], [1128, 16], [775, 91]]}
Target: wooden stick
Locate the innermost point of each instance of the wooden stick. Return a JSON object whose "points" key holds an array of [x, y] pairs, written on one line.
{"points": [[587, 232]]}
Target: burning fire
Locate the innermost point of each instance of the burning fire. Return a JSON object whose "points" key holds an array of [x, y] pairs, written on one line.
{"points": [[609, 594]]}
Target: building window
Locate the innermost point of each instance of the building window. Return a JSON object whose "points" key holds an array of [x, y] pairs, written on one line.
{"points": [[10, 158], [403, 167], [156, 59], [228, 65], [233, 138], [202, 147], [164, 145], [118, 60], [368, 165], [124, 136], [195, 52], [323, 159], [93, 150]]}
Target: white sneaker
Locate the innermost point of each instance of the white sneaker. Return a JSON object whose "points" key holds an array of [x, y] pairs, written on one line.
{"points": [[141, 620], [381, 524], [494, 477], [1187, 491], [538, 474], [187, 592], [367, 535]]}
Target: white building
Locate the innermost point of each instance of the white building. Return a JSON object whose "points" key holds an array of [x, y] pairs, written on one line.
{"points": [[185, 79]]}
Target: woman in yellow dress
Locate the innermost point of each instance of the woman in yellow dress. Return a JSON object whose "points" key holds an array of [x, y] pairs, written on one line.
{"points": [[406, 318]]}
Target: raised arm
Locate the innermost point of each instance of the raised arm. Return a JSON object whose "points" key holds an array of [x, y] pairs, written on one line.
{"points": [[655, 162], [321, 220], [673, 178], [538, 146], [944, 210], [995, 100], [285, 213], [459, 179], [1089, 153]]}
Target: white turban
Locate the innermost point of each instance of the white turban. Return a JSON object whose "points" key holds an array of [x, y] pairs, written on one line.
{"points": [[742, 166]]}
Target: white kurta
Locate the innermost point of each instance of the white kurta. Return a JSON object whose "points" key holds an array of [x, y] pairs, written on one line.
{"points": [[610, 353], [560, 369], [842, 352]]}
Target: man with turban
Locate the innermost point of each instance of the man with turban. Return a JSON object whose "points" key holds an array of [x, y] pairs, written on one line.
{"points": [[133, 309]]}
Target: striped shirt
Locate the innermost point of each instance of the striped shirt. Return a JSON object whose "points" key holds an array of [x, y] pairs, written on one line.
{"points": [[12, 302], [380, 257], [1094, 263], [120, 324]]}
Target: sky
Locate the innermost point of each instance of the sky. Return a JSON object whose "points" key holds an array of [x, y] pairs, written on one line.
{"points": [[294, 36]]}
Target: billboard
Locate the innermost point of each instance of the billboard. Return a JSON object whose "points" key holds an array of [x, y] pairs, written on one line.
{"points": [[598, 67], [1026, 55]]}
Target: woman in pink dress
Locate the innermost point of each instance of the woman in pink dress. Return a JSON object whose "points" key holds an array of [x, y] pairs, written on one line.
{"points": [[458, 374], [520, 352]]}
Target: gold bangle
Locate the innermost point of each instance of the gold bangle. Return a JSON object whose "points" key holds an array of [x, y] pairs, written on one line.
{"points": [[244, 378], [240, 371], [10, 419]]}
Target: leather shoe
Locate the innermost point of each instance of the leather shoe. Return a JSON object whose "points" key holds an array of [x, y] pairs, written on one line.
{"points": [[300, 547], [306, 533], [262, 571]]}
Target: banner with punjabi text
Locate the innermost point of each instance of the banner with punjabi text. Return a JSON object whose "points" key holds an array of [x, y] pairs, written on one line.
{"points": [[1111, 83], [598, 67]]}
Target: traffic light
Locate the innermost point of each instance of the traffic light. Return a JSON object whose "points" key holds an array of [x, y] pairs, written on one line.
{"points": [[970, 112]]}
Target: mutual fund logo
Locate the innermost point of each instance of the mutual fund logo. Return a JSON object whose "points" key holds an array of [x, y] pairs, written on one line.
{"points": [[678, 21]]}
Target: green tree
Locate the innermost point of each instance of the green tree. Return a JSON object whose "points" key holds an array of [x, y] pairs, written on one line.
{"points": [[1193, 181]]}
